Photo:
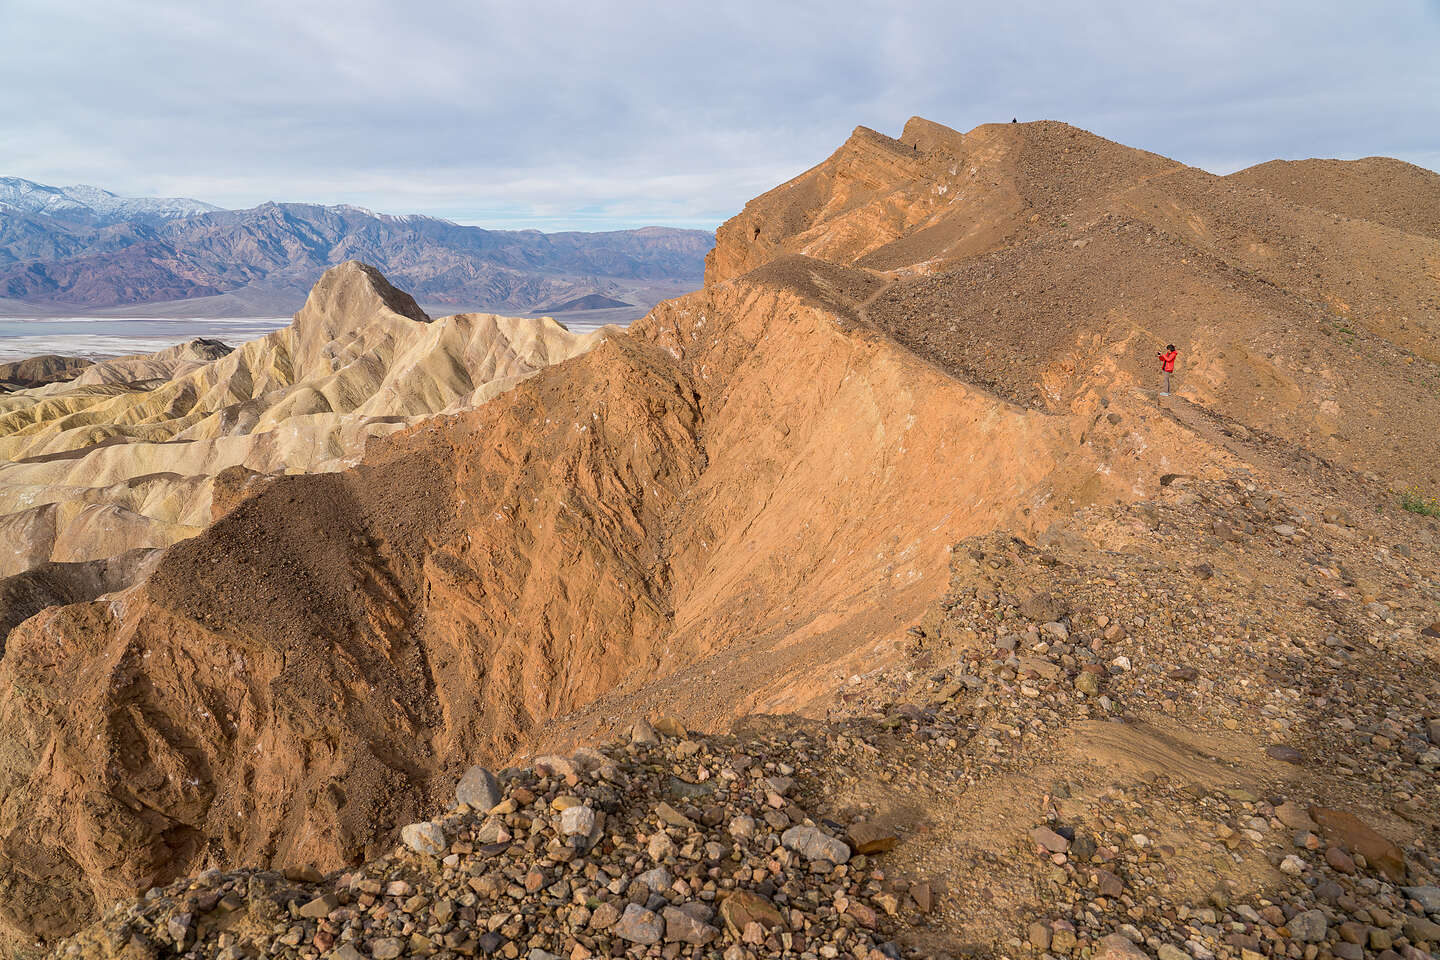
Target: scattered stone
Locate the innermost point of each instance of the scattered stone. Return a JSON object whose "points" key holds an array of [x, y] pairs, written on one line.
{"points": [[604, 916], [1295, 816], [639, 925], [577, 821], [1356, 836], [478, 789], [867, 838], [670, 727], [923, 896], [1427, 897], [1340, 861], [1106, 883], [682, 926], [743, 908], [812, 843], [669, 815], [321, 906], [1421, 930], [656, 879], [1309, 926], [1048, 839], [1043, 607], [424, 837], [737, 845], [388, 948], [1116, 947], [1283, 752], [643, 732]]}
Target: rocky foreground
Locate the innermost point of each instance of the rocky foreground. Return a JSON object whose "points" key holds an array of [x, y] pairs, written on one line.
{"points": [[1200, 726]]}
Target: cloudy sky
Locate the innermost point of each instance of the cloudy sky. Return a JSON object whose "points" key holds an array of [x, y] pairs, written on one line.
{"points": [[600, 114]]}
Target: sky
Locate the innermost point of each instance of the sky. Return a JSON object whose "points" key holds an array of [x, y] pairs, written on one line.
{"points": [[606, 115]]}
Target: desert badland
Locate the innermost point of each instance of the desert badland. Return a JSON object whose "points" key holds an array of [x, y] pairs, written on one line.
{"points": [[867, 602]]}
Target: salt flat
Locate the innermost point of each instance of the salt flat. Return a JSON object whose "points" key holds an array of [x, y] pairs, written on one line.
{"points": [[22, 337]]}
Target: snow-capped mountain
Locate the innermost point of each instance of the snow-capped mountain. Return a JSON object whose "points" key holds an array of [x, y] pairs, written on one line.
{"points": [[87, 248], [93, 205]]}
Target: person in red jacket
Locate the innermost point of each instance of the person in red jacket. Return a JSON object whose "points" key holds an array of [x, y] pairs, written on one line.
{"points": [[1167, 365]]}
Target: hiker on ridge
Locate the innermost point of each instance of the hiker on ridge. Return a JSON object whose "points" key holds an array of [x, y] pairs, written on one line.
{"points": [[1167, 366]]}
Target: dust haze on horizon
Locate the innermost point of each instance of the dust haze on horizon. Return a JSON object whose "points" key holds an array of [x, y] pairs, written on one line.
{"points": [[566, 115]]}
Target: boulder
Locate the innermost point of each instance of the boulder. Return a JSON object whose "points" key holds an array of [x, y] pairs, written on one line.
{"points": [[639, 925], [867, 838], [743, 908], [812, 843], [1356, 836], [478, 790], [681, 926], [1116, 947], [424, 837], [1308, 926], [577, 821], [1042, 607]]}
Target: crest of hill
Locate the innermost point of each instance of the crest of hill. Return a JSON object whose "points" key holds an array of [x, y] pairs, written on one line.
{"points": [[931, 197], [1023, 256], [1380, 189], [591, 301], [160, 365], [38, 371]]}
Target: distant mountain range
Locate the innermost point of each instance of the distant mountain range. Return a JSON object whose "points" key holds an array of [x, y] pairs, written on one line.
{"points": [[86, 204], [80, 249]]}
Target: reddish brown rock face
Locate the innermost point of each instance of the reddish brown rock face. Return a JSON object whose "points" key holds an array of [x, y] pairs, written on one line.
{"points": [[732, 508]]}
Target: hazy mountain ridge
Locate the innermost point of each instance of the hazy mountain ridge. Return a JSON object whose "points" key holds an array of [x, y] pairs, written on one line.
{"points": [[93, 204], [57, 250]]}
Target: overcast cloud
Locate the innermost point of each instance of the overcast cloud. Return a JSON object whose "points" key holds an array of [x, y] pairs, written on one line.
{"points": [[604, 114]]}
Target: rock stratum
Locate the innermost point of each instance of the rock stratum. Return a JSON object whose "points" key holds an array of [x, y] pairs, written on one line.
{"points": [[900, 461]]}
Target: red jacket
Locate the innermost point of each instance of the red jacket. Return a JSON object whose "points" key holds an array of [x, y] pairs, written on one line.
{"points": [[1167, 360]]}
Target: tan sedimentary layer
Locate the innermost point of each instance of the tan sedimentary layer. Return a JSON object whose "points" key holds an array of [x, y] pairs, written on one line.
{"points": [[123, 456]]}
